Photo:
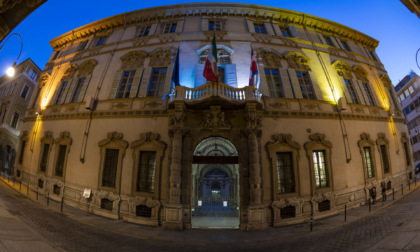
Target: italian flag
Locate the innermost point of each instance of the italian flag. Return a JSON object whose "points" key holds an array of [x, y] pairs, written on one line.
{"points": [[210, 69]]}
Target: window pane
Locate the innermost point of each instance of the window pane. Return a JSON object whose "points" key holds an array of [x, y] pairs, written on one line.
{"points": [[320, 169], [352, 91], [368, 93], [59, 166], [369, 162], [61, 92], [385, 162], [125, 84], [78, 89], [157, 81], [285, 174], [22, 151], [146, 172], [305, 85], [110, 167], [44, 157]]}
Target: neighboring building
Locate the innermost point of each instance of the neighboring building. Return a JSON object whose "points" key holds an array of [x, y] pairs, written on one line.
{"points": [[15, 93], [408, 93], [13, 12], [413, 6], [111, 134]]}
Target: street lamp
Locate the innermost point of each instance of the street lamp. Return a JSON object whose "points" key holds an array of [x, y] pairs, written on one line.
{"points": [[11, 70]]}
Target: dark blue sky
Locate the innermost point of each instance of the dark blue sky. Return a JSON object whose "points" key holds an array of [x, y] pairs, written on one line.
{"points": [[389, 21]]}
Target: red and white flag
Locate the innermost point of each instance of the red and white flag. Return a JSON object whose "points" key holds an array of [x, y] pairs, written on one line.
{"points": [[254, 69], [210, 69]]}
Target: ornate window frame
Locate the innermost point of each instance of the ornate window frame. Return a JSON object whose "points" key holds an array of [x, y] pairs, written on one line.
{"points": [[148, 141], [366, 141], [85, 71], [284, 143], [46, 139], [63, 139], [407, 152], [68, 77], [114, 141], [382, 140], [318, 143]]}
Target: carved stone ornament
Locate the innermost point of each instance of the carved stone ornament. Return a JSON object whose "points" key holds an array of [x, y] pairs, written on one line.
{"points": [[8, 4], [33, 3], [254, 120], [310, 106], [121, 105], [284, 139], [319, 138], [296, 202], [48, 137], [86, 68], [334, 51], [365, 140], [153, 104], [262, 38], [115, 137], [64, 138], [288, 41], [343, 69], [149, 137], [382, 138], [162, 57], [105, 195], [133, 60], [145, 201], [140, 41], [43, 79], [360, 73], [319, 197], [386, 81], [70, 71], [215, 119], [278, 104], [269, 59], [176, 120], [298, 61]]}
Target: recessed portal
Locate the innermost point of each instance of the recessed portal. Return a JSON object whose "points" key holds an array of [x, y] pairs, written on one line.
{"points": [[215, 190]]}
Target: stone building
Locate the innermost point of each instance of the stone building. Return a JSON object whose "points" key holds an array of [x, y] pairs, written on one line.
{"points": [[408, 92], [413, 6], [15, 93], [112, 134]]}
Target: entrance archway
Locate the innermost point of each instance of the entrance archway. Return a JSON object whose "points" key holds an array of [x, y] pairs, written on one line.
{"points": [[215, 189]]}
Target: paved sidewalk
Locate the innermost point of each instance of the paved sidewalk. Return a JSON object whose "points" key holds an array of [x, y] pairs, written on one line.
{"points": [[362, 230]]}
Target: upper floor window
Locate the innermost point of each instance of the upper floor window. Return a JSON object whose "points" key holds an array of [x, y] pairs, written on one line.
{"points": [[157, 81], [125, 84], [100, 41], [144, 31], [345, 45], [320, 169], [78, 90], [274, 83], [169, 28], [24, 92], [15, 120], [371, 54], [82, 45], [368, 93], [32, 74], [56, 53], [61, 93], [285, 32], [260, 28], [328, 40], [306, 85], [215, 25], [352, 91]]}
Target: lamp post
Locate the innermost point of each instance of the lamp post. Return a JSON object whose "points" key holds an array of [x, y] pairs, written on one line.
{"points": [[11, 70]]}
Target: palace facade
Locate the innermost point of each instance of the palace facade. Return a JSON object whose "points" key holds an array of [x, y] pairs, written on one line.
{"points": [[110, 132]]}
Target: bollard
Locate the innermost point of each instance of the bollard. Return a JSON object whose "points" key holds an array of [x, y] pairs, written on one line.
{"points": [[345, 213], [37, 193], [402, 189], [369, 205], [393, 194], [409, 185], [20, 185], [312, 215], [415, 180], [311, 222], [62, 201], [27, 190], [48, 198]]}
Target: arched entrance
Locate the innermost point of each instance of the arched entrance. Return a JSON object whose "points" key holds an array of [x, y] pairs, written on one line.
{"points": [[215, 189]]}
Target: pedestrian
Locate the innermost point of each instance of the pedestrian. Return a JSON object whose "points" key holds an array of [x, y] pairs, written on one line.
{"points": [[374, 194], [383, 193]]}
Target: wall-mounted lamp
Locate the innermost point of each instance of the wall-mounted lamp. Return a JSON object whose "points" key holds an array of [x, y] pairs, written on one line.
{"points": [[11, 70]]}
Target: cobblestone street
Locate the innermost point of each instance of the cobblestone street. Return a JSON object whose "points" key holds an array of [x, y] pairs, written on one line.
{"points": [[393, 226]]}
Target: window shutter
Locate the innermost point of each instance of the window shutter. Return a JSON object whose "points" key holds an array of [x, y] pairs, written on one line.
{"points": [[199, 78], [179, 25], [136, 82], [269, 28], [114, 86], [204, 24], [295, 83], [251, 28], [334, 41], [315, 86], [340, 45], [57, 90], [346, 92], [365, 99], [69, 90], [153, 29], [168, 81], [288, 91], [230, 75], [293, 31], [321, 38], [145, 82], [277, 29], [84, 88]]}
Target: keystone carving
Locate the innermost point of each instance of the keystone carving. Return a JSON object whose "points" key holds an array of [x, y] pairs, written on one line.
{"points": [[215, 119]]}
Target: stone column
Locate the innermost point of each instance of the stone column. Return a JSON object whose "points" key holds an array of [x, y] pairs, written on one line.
{"points": [[173, 210], [256, 211]]}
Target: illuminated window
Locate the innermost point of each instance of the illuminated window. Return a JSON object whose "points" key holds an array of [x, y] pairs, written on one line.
{"points": [[368, 162], [306, 85], [274, 83], [320, 169], [368, 93], [352, 91], [260, 28], [78, 90], [285, 174], [15, 120], [285, 32], [24, 92], [125, 84], [144, 31], [169, 28], [215, 25], [60, 93], [157, 81], [146, 172]]}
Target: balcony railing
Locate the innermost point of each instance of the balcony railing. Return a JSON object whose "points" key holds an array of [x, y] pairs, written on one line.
{"points": [[215, 89]]}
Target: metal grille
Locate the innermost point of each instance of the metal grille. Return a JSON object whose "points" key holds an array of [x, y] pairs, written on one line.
{"points": [[146, 172], [285, 175], [368, 162], [385, 161], [56, 190], [288, 212], [305, 85], [40, 183], [320, 168], [59, 166], [143, 211], [110, 168], [44, 158], [324, 206], [106, 204], [22, 151]]}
